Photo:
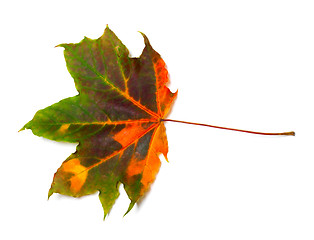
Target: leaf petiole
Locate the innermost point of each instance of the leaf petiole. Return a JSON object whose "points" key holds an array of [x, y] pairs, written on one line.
{"points": [[232, 129]]}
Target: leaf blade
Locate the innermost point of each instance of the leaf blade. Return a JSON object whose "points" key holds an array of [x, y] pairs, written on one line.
{"points": [[116, 118]]}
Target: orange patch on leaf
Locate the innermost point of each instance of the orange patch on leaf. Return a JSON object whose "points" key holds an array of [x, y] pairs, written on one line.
{"points": [[79, 171], [159, 145], [161, 72], [135, 167], [160, 142], [150, 171], [64, 127], [164, 96], [149, 167], [129, 133]]}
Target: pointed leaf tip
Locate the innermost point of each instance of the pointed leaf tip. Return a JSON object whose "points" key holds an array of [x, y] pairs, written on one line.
{"points": [[107, 29], [146, 41], [130, 207], [26, 126], [23, 128], [50, 193], [64, 45]]}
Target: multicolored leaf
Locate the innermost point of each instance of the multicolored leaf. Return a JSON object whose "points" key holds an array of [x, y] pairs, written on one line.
{"points": [[115, 118]]}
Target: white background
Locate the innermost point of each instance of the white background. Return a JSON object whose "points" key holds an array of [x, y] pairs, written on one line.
{"points": [[241, 64]]}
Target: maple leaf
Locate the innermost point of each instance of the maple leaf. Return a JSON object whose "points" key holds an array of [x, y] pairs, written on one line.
{"points": [[116, 118]]}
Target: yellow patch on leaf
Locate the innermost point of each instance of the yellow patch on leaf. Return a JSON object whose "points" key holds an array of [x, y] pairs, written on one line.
{"points": [[64, 127], [79, 171]]}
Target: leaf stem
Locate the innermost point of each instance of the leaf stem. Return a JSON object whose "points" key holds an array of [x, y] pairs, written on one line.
{"points": [[232, 129]]}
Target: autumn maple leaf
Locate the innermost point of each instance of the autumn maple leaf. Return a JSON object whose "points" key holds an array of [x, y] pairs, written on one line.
{"points": [[115, 118]]}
